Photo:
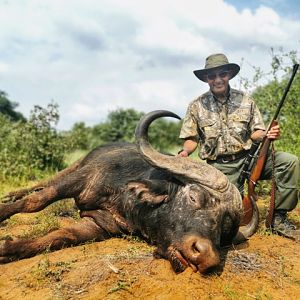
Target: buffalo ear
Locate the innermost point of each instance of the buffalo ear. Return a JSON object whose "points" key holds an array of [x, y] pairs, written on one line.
{"points": [[152, 191], [157, 187]]}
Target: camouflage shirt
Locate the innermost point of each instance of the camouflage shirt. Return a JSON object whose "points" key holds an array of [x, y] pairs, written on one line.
{"points": [[221, 128]]}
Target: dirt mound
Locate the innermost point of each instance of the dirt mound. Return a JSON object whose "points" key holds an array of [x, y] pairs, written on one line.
{"points": [[267, 267]]}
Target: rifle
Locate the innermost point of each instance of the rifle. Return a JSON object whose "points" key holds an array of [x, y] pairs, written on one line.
{"points": [[255, 161]]}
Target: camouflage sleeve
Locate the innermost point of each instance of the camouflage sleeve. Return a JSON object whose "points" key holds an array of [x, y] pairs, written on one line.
{"points": [[189, 125], [257, 120]]}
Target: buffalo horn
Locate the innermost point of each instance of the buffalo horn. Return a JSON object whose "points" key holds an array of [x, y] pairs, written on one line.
{"points": [[246, 231], [184, 169]]}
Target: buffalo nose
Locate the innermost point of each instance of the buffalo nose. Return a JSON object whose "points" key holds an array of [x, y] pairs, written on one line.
{"points": [[201, 253]]}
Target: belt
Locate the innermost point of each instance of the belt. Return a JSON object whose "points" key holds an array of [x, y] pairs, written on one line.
{"points": [[223, 159]]}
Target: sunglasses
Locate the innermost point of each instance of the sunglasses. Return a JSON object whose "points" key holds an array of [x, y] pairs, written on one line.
{"points": [[213, 76]]}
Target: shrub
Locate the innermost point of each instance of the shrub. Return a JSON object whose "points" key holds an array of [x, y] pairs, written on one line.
{"points": [[32, 147]]}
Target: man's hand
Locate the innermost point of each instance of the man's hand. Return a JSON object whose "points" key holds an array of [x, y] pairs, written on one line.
{"points": [[183, 153], [274, 133], [189, 147]]}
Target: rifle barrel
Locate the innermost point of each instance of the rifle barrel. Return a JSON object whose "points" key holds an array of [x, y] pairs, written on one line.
{"points": [[295, 68]]}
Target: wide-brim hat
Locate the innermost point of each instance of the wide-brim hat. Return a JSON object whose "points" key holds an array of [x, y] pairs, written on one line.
{"points": [[214, 62]]}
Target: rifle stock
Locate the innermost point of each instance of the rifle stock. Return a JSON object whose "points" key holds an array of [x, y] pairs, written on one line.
{"points": [[255, 176], [262, 157]]}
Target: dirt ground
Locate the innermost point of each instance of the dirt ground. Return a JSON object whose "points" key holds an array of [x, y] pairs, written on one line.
{"points": [[266, 267]]}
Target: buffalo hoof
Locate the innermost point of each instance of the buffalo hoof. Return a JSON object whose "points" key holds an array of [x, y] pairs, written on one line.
{"points": [[5, 255]]}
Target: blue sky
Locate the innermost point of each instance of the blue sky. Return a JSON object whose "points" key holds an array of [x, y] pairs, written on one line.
{"points": [[94, 56], [285, 8]]}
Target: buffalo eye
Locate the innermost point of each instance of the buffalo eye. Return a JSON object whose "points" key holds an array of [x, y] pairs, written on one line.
{"points": [[195, 201], [199, 198]]}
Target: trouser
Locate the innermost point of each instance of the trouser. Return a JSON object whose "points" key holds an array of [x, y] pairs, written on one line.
{"points": [[286, 173]]}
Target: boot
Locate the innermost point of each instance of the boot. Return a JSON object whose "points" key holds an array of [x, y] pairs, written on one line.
{"points": [[282, 226]]}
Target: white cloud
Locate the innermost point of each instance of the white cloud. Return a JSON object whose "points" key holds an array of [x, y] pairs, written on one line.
{"points": [[95, 56]]}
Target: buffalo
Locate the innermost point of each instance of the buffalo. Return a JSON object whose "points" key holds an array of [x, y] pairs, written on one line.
{"points": [[187, 209]]}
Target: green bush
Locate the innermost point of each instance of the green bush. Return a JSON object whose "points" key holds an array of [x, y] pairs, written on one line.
{"points": [[269, 95], [120, 126], [79, 137], [30, 148]]}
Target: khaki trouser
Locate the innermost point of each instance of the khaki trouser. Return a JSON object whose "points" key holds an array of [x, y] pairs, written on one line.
{"points": [[286, 172]]}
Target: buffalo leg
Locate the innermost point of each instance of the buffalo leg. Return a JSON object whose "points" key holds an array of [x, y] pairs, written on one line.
{"points": [[83, 231], [31, 203], [59, 177]]}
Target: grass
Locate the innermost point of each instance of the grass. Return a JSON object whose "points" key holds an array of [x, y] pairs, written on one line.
{"points": [[124, 282], [48, 219], [14, 183], [74, 156], [137, 251], [47, 274], [230, 292], [42, 224], [64, 208], [46, 271]]}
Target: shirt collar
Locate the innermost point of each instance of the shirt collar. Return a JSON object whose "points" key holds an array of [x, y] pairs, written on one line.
{"points": [[228, 97]]}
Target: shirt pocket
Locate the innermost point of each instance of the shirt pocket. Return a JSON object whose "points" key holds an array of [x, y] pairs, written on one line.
{"points": [[239, 124], [209, 128]]}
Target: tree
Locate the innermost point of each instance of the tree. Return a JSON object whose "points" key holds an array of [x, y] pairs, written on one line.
{"points": [[33, 147], [79, 137], [120, 126], [164, 135], [267, 96], [7, 108]]}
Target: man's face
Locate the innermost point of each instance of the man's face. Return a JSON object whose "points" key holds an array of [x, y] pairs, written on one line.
{"points": [[218, 81]]}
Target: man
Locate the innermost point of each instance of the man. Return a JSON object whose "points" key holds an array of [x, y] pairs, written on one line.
{"points": [[224, 122]]}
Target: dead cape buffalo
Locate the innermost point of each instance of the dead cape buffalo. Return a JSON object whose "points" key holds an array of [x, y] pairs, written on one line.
{"points": [[188, 209]]}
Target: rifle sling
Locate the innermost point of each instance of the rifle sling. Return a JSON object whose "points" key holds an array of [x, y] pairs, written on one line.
{"points": [[270, 216]]}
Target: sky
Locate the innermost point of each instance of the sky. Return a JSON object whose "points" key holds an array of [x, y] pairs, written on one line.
{"points": [[95, 56]]}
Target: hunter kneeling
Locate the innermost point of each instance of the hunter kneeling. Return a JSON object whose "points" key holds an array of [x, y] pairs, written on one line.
{"points": [[225, 122]]}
